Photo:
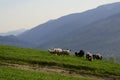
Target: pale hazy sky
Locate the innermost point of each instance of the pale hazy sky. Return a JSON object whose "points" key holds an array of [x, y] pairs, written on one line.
{"points": [[17, 14]]}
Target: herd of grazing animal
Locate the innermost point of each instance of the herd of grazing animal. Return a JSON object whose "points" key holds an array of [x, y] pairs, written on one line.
{"points": [[81, 53], [59, 51]]}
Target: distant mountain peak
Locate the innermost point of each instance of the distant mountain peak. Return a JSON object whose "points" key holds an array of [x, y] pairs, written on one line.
{"points": [[110, 6]]}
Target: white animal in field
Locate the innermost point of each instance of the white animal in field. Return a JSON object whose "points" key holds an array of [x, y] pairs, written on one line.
{"points": [[89, 56], [66, 52], [57, 51], [60, 51]]}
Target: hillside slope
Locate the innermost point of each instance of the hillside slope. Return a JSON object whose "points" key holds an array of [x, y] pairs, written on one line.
{"points": [[35, 59], [18, 74]]}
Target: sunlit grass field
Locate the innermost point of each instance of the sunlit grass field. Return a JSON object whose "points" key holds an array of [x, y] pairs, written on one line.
{"points": [[16, 74], [44, 58]]}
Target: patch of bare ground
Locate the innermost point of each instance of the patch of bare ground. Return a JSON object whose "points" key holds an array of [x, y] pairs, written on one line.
{"points": [[54, 69]]}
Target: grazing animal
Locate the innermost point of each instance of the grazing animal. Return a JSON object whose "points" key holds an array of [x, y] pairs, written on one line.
{"points": [[80, 54], [57, 51], [94, 56], [51, 51], [99, 56], [76, 53], [89, 56], [66, 52]]}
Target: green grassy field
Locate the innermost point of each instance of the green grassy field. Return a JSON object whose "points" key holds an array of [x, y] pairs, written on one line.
{"points": [[72, 63], [16, 74]]}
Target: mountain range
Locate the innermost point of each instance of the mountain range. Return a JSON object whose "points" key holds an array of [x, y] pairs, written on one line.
{"points": [[95, 30], [14, 41], [15, 32]]}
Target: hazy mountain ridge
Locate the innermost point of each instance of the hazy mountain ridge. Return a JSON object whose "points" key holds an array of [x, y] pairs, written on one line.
{"points": [[68, 23], [15, 32], [14, 41], [95, 30], [101, 36]]}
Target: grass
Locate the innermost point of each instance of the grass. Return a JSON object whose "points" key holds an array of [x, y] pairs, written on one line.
{"points": [[73, 63], [7, 73]]}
